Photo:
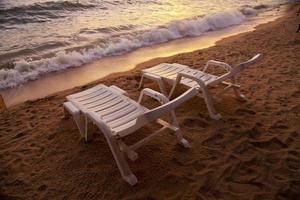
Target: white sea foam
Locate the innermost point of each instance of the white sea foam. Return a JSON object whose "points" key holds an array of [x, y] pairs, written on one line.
{"points": [[26, 70]]}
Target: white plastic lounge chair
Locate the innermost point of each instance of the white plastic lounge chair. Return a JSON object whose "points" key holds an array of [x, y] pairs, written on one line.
{"points": [[117, 116], [177, 73]]}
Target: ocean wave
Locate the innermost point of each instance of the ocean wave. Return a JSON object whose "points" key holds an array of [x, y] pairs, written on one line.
{"points": [[46, 11], [41, 12], [26, 70], [50, 5]]}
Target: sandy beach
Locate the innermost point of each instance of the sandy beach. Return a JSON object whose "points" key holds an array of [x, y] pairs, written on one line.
{"points": [[252, 153]]}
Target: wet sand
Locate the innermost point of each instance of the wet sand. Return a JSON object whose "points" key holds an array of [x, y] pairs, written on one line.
{"points": [[252, 153]]}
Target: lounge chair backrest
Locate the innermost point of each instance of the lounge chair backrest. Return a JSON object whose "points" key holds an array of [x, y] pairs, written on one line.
{"points": [[165, 108], [244, 65], [240, 67]]}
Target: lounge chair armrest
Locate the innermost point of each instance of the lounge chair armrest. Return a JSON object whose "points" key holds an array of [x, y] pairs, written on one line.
{"points": [[168, 107], [227, 67], [154, 94], [118, 90], [98, 121], [185, 75], [189, 76]]}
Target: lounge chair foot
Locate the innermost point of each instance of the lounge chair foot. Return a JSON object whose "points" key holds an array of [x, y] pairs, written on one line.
{"points": [[242, 97], [216, 116], [66, 116], [132, 155], [88, 139], [185, 143], [131, 179]]}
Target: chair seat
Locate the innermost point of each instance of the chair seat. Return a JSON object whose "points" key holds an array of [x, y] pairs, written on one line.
{"points": [[169, 72], [118, 111]]}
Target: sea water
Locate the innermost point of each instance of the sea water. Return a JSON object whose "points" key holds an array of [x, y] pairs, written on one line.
{"points": [[38, 37]]}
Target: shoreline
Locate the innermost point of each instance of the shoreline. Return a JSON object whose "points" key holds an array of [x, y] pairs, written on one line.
{"points": [[91, 72], [252, 153]]}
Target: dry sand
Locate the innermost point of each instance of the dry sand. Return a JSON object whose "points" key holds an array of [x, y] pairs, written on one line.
{"points": [[253, 152]]}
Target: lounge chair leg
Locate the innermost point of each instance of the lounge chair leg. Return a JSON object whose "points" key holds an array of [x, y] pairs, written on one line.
{"points": [[80, 124], [87, 136], [209, 104], [239, 95], [237, 91], [141, 82], [172, 90], [131, 154], [119, 157], [157, 79], [66, 114], [177, 132], [162, 87], [181, 139], [72, 110], [173, 118]]}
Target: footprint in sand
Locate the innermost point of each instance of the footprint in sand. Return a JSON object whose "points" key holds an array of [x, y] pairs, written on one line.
{"points": [[294, 153], [244, 150], [296, 109], [296, 94], [278, 127], [291, 138], [32, 145], [9, 197], [198, 165], [8, 130], [270, 145], [3, 173], [290, 191], [18, 182], [195, 123], [240, 188], [292, 163], [215, 141], [244, 173], [244, 111], [19, 135], [51, 136], [272, 159], [253, 132], [42, 187]]}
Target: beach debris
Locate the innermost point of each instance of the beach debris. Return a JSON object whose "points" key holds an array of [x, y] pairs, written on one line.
{"points": [[2, 103]]}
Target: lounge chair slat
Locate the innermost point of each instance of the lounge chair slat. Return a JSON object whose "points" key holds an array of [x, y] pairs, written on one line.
{"points": [[122, 129], [114, 114], [157, 67], [174, 74], [83, 96], [122, 112], [159, 70], [103, 102], [168, 71], [99, 93], [89, 91], [113, 108], [99, 99], [126, 118], [108, 105]]}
